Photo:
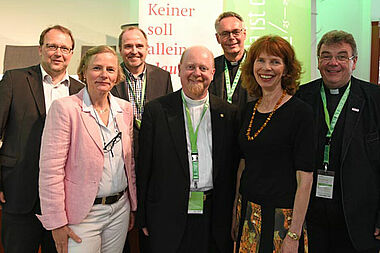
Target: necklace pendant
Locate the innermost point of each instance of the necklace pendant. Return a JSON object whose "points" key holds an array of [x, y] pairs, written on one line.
{"points": [[248, 134], [102, 111]]}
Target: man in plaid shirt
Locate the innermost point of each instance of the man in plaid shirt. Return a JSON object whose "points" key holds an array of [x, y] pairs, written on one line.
{"points": [[143, 83]]}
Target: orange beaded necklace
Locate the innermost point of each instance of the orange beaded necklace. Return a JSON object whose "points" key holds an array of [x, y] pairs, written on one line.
{"points": [[248, 134]]}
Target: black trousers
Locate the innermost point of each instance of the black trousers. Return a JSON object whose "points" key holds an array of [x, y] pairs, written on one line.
{"points": [[24, 233], [327, 229], [143, 243], [197, 237]]}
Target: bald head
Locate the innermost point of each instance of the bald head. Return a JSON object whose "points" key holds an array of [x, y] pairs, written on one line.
{"points": [[196, 71], [195, 49]]}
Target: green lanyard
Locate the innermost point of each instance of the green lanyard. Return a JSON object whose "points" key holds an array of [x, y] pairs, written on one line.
{"points": [[331, 125], [140, 104], [231, 90], [193, 139]]}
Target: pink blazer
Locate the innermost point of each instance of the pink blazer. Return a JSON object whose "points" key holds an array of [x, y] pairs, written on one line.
{"points": [[71, 161]]}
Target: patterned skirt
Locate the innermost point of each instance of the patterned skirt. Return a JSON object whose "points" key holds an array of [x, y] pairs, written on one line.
{"points": [[262, 229]]}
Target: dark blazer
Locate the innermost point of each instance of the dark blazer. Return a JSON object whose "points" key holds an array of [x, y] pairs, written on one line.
{"points": [[158, 83], [22, 119], [360, 160], [163, 177], [218, 86]]}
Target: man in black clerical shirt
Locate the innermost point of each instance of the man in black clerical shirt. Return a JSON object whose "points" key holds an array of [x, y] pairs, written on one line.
{"points": [[230, 34], [187, 164], [343, 213]]}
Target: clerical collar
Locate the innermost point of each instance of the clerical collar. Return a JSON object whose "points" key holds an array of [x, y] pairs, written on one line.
{"points": [[235, 63], [336, 91], [191, 102]]}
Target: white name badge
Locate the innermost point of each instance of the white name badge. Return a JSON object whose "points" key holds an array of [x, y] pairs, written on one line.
{"points": [[195, 203], [325, 184]]}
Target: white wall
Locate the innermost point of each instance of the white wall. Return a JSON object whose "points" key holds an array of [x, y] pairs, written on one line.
{"points": [[375, 10], [353, 16]]}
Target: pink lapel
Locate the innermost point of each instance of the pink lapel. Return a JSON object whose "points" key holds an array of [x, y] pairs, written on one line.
{"points": [[90, 124]]}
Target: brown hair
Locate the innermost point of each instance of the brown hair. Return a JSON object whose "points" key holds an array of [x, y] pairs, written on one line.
{"points": [[226, 15], [130, 28], [336, 36], [273, 45], [83, 65], [60, 28]]}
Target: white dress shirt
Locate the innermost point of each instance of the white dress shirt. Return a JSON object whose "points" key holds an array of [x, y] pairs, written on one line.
{"points": [[204, 142], [113, 179], [53, 91]]}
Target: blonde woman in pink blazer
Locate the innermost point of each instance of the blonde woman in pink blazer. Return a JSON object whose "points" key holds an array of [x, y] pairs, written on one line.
{"points": [[87, 178]]}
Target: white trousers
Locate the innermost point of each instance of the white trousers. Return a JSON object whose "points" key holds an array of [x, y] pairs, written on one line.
{"points": [[103, 230]]}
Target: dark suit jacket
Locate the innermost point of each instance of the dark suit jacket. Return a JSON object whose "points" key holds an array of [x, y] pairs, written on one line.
{"points": [[158, 83], [218, 86], [360, 160], [163, 177], [22, 118]]}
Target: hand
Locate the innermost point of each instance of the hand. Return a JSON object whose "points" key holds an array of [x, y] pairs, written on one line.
{"points": [[131, 220], [289, 245], [2, 197], [145, 231], [377, 233], [61, 236]]}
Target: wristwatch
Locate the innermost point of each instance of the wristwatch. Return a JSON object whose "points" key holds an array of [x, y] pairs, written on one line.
{"points": [[293, 235]]}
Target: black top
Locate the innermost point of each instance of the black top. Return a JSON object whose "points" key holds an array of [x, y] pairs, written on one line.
{"points": [[272, 158], [336, 140], [232, 70], [218, 85]]}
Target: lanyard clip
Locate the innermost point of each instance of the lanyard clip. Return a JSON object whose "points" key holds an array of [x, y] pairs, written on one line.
{"points": [[325, 164], [194, 157]]}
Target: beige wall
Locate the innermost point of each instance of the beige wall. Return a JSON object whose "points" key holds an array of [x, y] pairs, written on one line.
{"points": [[93, 22]]}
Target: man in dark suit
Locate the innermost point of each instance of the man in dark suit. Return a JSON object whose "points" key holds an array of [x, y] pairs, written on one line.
{"points": [[25, 97], [188, 163], [230, 34], [143, 83], [344, 210]]}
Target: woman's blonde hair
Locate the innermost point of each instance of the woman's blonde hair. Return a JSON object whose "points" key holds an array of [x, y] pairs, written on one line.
{"points": [[83, 65]]}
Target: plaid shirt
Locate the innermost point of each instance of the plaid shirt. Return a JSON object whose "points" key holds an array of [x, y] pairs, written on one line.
{"points": [[135, 94]]}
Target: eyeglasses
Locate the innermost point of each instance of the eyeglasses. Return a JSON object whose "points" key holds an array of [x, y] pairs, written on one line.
{"points": [[338, 58], [235, 33], [54, 47], [109, 146]]}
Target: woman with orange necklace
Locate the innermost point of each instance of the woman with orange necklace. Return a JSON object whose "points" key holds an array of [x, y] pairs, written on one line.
{"points": [[276, 142]]}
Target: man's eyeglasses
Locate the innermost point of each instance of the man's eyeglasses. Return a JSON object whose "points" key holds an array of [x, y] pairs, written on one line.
{"points": [[53, 48], [338, 58], [235, 33], [109, 146]]}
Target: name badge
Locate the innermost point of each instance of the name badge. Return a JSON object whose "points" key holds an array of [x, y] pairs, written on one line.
{"points": [[325, 184], [195, 203]]}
